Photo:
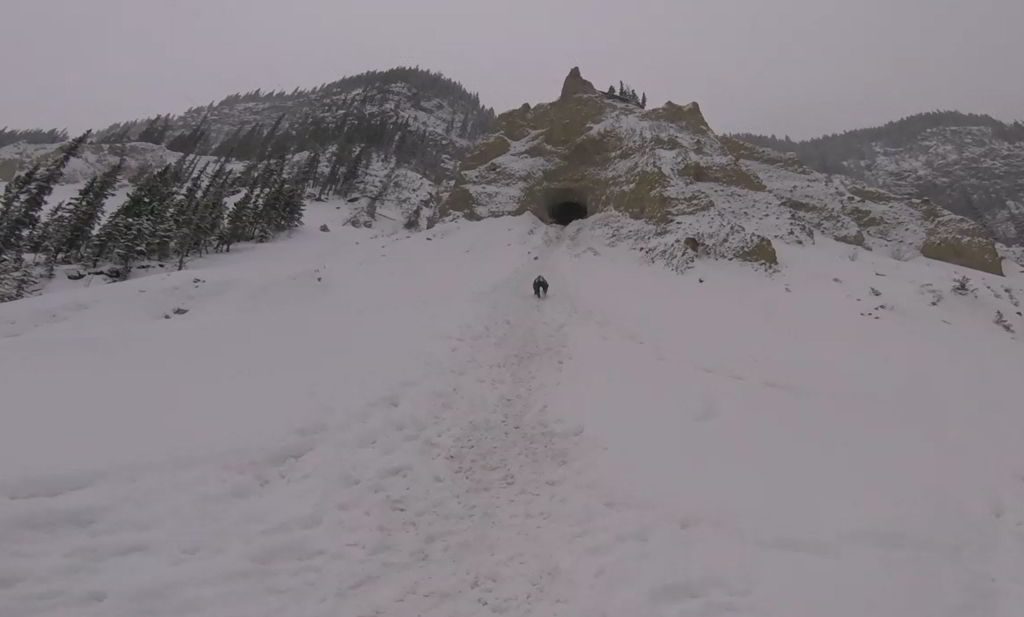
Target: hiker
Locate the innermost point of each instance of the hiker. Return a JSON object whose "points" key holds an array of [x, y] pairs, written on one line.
{"points": [[539, 285]]}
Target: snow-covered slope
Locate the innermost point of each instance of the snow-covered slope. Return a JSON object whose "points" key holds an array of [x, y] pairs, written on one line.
{"points": [[94, 159], [387, 140], [969, 170], [363, 422], [970, 164], [588, 152]]}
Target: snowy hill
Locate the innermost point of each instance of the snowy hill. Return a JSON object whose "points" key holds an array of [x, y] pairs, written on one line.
{"points": [[387, 139], [970, 164], [367, 422], [588, 153]]}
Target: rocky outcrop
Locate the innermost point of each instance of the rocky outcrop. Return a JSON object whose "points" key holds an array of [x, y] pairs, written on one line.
{"points": [[958, 241], [575, 84], [588, 154]]}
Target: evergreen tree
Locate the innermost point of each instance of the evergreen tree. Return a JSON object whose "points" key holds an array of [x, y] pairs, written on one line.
{"points": [[307, 175], [31, 136], [190, 142], [21, 216], [185, 215], [15, 277], [352, 170], [156, 130], [333, 176], [71, 228], [239, 221], [643, 101], [213, 208], [10, 204], [139, 228]]}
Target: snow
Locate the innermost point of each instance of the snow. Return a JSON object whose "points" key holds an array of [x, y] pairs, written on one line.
{"points": [[365, 422]]}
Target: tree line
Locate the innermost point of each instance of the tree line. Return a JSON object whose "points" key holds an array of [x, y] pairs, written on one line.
{"points": [[184, 209], [343, 110], [32, 136], [627, 94]]}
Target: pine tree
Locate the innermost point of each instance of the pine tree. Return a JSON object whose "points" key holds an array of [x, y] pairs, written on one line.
{"points": [[352, 170], [310, 167], [21, 216], [212, 208], [266, 213], [15, 278], [238, 223], [184, 217], [192, 141], [84, 212], [10, 204], [51, 233], [643, 101], [333, 176], [140, 228], [156, 131]]}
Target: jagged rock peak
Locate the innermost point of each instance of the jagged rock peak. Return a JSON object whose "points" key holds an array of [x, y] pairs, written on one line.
{"points": [[575, 84]]}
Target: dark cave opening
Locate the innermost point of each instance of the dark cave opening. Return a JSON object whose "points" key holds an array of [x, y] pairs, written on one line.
{"points": [[565, 212]]}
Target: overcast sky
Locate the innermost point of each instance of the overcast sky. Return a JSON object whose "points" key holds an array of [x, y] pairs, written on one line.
{"points": [[797, 67]]}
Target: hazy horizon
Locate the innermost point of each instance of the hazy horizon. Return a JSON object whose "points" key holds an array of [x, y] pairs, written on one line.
{"points": [[798, 67]]}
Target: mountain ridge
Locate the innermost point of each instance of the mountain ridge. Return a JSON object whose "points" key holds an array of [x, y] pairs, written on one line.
{"points": [[970, 164]]}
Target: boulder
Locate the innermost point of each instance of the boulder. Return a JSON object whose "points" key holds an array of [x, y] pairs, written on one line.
{"points": [[961, 242]]}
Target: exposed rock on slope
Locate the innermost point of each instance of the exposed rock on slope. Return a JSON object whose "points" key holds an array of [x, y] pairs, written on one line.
{"points": [[588, 154], [139, 158], [971, 164]]}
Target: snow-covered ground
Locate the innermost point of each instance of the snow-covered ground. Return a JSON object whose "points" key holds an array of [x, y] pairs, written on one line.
{"points": [[365, 423]]}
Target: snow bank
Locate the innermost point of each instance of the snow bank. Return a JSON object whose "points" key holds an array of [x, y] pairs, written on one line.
{"points": [[363, 422]]}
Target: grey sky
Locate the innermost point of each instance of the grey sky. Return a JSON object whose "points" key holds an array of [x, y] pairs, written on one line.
{"points": [[801, 67]]}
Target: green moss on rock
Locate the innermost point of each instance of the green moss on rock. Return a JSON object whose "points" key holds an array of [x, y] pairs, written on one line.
{"points": [[486, 152], [761, 251], [977, 253]]}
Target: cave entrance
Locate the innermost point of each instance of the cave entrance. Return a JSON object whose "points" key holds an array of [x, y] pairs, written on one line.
{"points": [[565, 212], [563, 205]]}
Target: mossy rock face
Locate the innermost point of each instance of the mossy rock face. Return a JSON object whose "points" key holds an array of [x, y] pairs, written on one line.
{"points": [[734, 175], [729, 175], [759, 251], [694, 203], [749, 152], [515, 124], [568, 120], [486, 152], [871, 194], [460, 200], [800, 206], [856, 238], [977, 253], [686, 116], [863, 217], [929, 211], [590, 152], [645, 200]]}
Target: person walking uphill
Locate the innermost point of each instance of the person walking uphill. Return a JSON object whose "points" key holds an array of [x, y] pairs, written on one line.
{"points": [[539, 285]]}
